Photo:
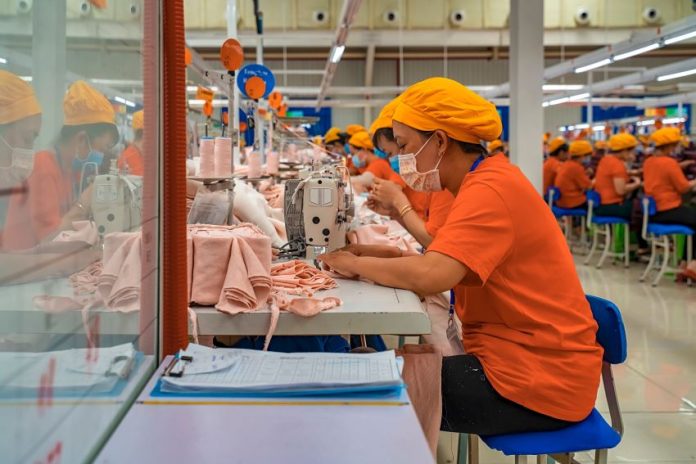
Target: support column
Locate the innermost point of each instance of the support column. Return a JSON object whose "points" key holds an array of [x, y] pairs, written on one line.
{"points": [[369, 78], [234, 110], [526, 78], [48, 66]]}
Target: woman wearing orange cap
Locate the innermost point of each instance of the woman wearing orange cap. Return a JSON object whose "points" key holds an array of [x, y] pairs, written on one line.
{"points": [[558, 153], [131, 160], [665, 181], [532, 359], [363, 157], [571, 179], [612, 181], [57, 188], [334, 141]]}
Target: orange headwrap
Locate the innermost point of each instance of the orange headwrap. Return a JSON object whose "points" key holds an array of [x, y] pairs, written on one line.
{"points": [[445, 104], [600, 145], [579, 148], [17, 99], [138, 120], [332, 135], [362, 140], [384, 120], [620, 142], [495, 145], [85, 105], [353, 129], [556, 143], [665, 136]]}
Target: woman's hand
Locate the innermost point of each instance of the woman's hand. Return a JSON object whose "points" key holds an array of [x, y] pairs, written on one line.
{"points": [[378, 208], [341, 262], [388, 194]]}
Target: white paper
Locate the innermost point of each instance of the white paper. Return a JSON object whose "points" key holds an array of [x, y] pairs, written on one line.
{"points": [[267, 371]]}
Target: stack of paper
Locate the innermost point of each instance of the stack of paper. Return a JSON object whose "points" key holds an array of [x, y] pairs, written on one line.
{"points": [[248, 371]]}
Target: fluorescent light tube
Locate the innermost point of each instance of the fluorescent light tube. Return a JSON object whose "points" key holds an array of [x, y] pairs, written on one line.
{"points": [[637, 51], [562, 128], [561, 87], [570, 128], [26, 78], [125, 102], [544, 104], [595, 65], [677, 75], [3, 60], [582, 126], [558, 101], [337, 53], [647, 122], [673, 120], [580, 96], [598, 128], [679, 38]]}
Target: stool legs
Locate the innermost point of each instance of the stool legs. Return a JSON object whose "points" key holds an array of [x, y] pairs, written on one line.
{"points": [[607, 245], [595, 241], [665, 261], [653, 257], [627, 245]]}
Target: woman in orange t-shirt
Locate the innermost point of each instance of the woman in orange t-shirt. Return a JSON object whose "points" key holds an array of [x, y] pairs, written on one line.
{"points": [[558, 153], [131, 160], [532, 362], [572, 180], [612, 181], [665, 181]]}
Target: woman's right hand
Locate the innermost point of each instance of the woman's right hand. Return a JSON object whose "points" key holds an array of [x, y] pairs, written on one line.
{"points": [[388, 193], [378, 207]]}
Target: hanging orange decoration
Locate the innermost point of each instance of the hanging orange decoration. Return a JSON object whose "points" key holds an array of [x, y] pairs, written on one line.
{"points": [[226, 118], [275, 99], [208, 108], [255, 87], [283, 110], [187, 56], [231, 54]]}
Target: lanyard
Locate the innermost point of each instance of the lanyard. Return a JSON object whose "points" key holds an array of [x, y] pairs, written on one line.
{"points": [[451, 305]]}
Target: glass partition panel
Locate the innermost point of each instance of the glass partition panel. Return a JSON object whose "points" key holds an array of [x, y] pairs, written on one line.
{"points": [[79, 154]]}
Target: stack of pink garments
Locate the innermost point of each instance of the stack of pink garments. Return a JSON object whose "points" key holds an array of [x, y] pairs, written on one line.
{"points": [[391, 234], [274, 194], [85, 282], [229, 267], [119, 283], [299, 278], [83, 231]]}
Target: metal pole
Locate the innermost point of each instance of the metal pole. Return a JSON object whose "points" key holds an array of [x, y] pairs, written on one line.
{"points": [[233, 104]]}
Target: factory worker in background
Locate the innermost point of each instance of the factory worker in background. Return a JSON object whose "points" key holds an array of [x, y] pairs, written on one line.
{"points": [[131, 160], [572, 179]]}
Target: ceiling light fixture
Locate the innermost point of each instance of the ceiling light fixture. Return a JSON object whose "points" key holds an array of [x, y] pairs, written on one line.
{"points": [[591, 66], [580, 96], [679, 38], [637, 51], [667, 77], [337, 53]]}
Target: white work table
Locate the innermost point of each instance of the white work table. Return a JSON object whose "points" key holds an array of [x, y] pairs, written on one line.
{"points": [[366, 309], [291, 431], [18, 315]]}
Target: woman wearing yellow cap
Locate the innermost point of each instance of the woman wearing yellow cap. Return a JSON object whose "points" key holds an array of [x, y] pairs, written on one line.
{"points": [[665, 181], [53, 200], [334, 141], [571, 179], [20, 123], [532, 360], [363, 157], [612, 181], [558, 153], [131, 160]]}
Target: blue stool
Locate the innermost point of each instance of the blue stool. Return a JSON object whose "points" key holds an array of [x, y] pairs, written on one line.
{"points": [[659, 237], [566, 214], [594, 433], [603, 226]]}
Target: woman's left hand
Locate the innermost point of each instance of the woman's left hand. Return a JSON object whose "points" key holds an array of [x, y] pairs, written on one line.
{"points": [[341, 262]]}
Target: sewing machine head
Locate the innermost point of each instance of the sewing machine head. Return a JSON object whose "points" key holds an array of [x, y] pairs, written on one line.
{"points": [[318, 210], [117, 203]]}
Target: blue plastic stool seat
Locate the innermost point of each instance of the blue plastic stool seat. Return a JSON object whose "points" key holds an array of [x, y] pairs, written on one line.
{"points": [[568, 211], [601, 220], [669, 229], [591, 434]]}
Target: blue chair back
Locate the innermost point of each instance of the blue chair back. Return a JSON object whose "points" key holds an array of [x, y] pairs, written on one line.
{"points": [[649, 206], [611, 333], [594, 197], [553, 194]]}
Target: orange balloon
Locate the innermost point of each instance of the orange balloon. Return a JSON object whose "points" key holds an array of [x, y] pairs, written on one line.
{"points": [[208, 108], [187, 56], [231, 54], [226, 118], [255, 87], [275, 99], [283, 110]]}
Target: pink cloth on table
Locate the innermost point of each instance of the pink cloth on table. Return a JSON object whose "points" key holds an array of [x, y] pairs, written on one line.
{"points": [[83, 231], [211, 258], [119, 283], [247, 283], [391, 234], [280, 228], [299, 278], [85, 282], [189, 263]]}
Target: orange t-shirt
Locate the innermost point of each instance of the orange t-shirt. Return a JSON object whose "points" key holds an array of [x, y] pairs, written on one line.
{"points": [[572, 181], [551, 166], [664, 180], [132, 158], [380, 168], [526, 319], [610, 167], [419, 200], [34, 215], [439, 206]]}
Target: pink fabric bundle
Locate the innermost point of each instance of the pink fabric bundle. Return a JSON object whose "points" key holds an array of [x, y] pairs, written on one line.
{"points": [[391, 234], [207, 152], [299, 278], [56, 304], [274, 194], [119, 283], [84, 231], [85, 282], [229, 267]]}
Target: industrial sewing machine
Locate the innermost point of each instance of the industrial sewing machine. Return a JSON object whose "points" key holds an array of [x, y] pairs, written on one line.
{"points": [[117, 202], [318, 208]]}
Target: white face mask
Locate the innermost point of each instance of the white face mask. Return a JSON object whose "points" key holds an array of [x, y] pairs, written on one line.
{"points": [[20, 168], [428, 181]]}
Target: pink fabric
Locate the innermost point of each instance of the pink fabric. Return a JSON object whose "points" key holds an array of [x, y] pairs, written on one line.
{"points": [[274, 194], [391, 234], [85, 282], [119, 283], [84, 231], [211, 260], [437, 307], [56, 304], [189, 262], [299, 278], [247, 283]]}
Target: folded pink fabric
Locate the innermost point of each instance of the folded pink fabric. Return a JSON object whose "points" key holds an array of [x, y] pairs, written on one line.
{"points": [[119, 283], [85, 282], [189, 263], [299, 278], [211, 260], [391, 234]]}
